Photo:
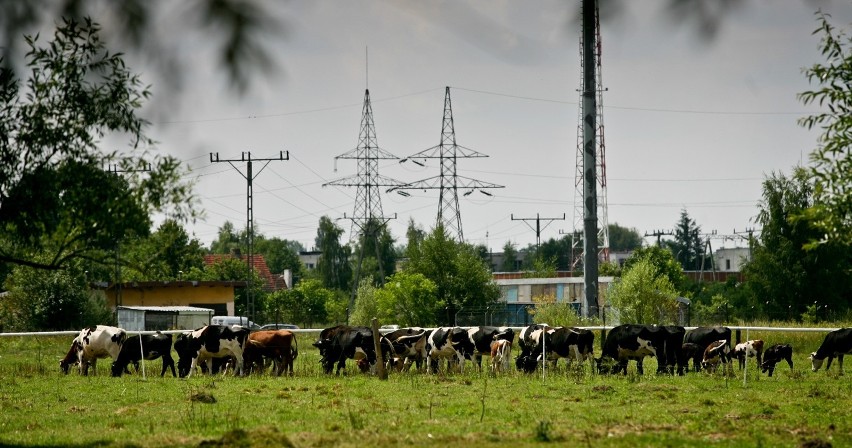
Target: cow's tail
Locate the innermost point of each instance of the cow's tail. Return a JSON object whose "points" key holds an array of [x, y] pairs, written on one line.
{"points": [[294, 350]]}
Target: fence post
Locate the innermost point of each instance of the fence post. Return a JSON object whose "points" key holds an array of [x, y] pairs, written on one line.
{"points": [[380, 362]]}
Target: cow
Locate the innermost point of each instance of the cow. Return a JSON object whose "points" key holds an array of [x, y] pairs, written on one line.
{"points": [[692, 351], [776, 354], [153, 345], [481, 339], [569, 343], [669, 343], [402, 346], [278, 345], [210, 341], [450, 343], [750, 349], [715, 353], [529, 341], [704, 336], [337, 344], [501, 351], [91, 344], [625, 343], [837, 343]]}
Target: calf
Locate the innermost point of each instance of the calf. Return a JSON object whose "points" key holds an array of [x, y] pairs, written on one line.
{"points": [[714, 354], [153, 345], [211, 341], [694, 352], [776, 354], [704, 336], [750, 349], [501, 351], [482, 337], [91, 344], [278, 345], [837, 343]]}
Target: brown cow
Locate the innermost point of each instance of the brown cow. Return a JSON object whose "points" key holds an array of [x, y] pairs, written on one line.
{"points": [[278, 345], [716, 353], [751, 349], [501, 352]]}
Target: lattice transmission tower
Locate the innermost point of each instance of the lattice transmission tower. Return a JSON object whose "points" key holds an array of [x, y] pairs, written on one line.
{"points": [[448, 182], [580, 199], [367, 218]]}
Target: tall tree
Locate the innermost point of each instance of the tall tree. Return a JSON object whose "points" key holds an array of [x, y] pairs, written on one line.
{"points": [[333, 265], [371, 268], [227, 240], [165, 255], [50, 158], [622, 239], [687, 245], [831, 171], [280, 255], [510, 258], [783, 277]]}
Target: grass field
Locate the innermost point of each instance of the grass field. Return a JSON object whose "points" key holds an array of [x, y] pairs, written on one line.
{"points": [[39, 407]]}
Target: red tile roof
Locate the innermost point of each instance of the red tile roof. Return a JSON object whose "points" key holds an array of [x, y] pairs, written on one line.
{"points": [[271, 282]]}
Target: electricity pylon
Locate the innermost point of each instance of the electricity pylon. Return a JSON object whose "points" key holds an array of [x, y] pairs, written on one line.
{"points": [[448, 182]]}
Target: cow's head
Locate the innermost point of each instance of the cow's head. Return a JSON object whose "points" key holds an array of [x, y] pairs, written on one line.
{"points": [[70, 358], [526, 363], [816, 363]]}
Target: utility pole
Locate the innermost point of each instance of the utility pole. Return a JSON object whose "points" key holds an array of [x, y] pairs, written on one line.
{"points": [[115, 169], [658, 234], [249, 176], [448, 182], [538, 228], [707, 248], [368, 217], [750, 232]]}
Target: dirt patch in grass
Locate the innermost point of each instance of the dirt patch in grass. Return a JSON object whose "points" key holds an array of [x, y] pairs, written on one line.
{"points": [[258, 437]]}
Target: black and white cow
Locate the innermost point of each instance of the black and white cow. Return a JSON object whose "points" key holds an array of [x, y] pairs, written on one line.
{"points": [[669, 343], [718, 352], [625, 343], [704, 336], [529, 342], [573, 344], [337, 344], [153, 345], [401, 346], [450, 343], [211, 341], [776, 354], [91, 344], [837, 343], [482, 337]]}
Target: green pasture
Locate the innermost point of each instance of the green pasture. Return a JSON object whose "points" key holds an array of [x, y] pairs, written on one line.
{"points": [[40, 407]]}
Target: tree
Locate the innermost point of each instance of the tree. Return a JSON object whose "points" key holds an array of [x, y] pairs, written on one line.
{"points": [[663, 262], [510, 258], [831, 212], [556, 251], [77, 93], [50, 300], [783, 276], [366, 304], [370, 265], [333, 266], [622, 239], [227, 240], [280, 255], [409, 300], [687, 245], [461, 277], [165, 255], [232, 269], [642, 296]]}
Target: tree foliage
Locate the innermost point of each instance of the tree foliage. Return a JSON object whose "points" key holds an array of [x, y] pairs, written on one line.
{"points": [[643, 296], [687, 245], [77, 93], [333, 266], [305, 304], [409, 300], [166, 254], [510, 258], [784, 277], [663, 262], [831, 171], [622, 239]]}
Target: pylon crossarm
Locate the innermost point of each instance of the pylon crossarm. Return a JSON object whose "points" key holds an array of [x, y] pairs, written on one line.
{"points": [[358, 181], [374, 153]]}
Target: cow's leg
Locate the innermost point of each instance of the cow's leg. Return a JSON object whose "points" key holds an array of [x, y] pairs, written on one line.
{"points": [[790, 362], [840, 363], [828, 364], [639, 367]]}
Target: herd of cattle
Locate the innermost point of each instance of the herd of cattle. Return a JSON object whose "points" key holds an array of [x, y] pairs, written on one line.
{"points": [[247, 351]]}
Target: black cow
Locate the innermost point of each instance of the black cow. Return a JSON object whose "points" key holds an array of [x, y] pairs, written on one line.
{"points": [[837, 343], [569, 343], [704, 336], [692, 351], [629, 342], [482, 337], [337, 344], [669, 344], [401, 346], [211, 341], [450, 343], [776, 354], [153, 345]]}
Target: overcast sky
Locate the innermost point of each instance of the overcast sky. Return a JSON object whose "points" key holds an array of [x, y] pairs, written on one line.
{"points": [[689, 123]]}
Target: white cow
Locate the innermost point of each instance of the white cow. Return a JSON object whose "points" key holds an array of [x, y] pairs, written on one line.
{"points": [[91, 344]]}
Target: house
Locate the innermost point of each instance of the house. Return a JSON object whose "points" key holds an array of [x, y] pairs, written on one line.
{"points": [[732, 259], [271, 282], [215, 295], [518, 292], [310, 258]]}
